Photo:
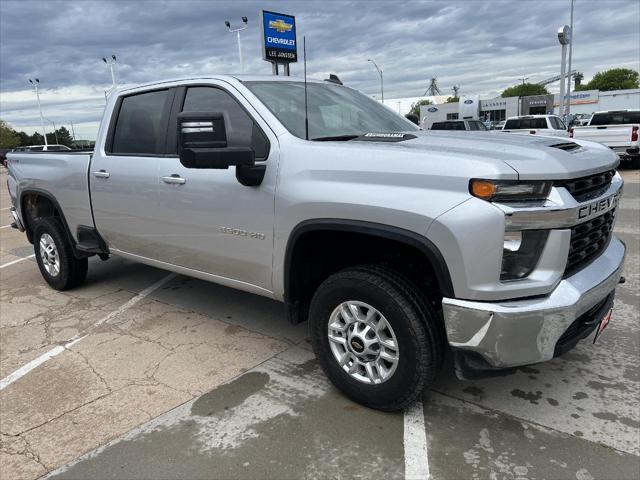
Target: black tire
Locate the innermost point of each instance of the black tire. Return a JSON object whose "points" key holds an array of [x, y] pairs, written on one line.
{"points": [[635, 162], [413, 319], [72, 271]]}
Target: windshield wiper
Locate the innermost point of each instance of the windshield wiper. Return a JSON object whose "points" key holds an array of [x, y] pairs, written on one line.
{"points": [[337, 138]]}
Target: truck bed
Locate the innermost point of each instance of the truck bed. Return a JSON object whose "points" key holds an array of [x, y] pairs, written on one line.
{"points": [[62, 174]]}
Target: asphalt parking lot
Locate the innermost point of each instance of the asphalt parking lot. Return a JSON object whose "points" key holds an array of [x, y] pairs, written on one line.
{"points": [[144, 374]]}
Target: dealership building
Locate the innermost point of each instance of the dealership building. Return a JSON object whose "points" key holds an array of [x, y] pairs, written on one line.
{"points": [[498, 109]]}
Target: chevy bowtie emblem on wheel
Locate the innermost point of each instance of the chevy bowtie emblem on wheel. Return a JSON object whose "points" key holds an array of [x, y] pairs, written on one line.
{"points": [[280, 25]]}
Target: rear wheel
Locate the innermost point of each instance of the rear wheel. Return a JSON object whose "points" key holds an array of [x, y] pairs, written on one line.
{"points": [[375, 336], [54, 254]]}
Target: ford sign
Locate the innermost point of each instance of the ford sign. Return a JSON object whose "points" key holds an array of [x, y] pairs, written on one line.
{"points": [[468, 102], [432, 109]]}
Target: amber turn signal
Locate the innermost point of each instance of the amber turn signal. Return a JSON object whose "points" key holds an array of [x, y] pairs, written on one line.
{"points": [[483, 189]]}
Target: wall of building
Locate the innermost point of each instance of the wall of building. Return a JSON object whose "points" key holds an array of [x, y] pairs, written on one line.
{"points": [[497, 109]]}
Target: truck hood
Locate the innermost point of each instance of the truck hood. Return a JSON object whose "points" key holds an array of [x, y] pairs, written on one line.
{"points": [[531, 156]]}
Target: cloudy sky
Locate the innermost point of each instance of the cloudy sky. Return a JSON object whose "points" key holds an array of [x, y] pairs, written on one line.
{"points": [[481, 45]]}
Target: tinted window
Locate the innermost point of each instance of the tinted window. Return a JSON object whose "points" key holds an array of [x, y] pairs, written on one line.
{"points": [[615, 118], [36, 149], [448, 126], [139, 125], [241, 130], [525, 123]]}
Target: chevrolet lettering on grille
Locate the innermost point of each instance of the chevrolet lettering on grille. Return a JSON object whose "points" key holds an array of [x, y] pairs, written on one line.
{"points": [[598, 207]]}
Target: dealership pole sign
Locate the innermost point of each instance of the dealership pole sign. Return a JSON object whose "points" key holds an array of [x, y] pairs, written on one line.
{"points": [[279, 45]]}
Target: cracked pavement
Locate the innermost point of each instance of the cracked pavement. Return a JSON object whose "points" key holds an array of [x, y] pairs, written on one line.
{"points": [[200, 381]]}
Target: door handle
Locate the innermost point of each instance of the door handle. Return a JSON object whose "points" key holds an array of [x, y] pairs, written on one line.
{"points": [[174, 179], [101, 174]]}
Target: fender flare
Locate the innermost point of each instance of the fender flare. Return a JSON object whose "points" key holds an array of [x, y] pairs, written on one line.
{"points": [[420, 242], [43, 193]]}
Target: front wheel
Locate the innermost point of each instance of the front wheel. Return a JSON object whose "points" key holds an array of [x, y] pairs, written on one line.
{"points": [[54, 254], [375, 336]]}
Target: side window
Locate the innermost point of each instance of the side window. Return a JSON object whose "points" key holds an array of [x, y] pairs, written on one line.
{"points": [[138, 127], [474, 125], [241, 130]]}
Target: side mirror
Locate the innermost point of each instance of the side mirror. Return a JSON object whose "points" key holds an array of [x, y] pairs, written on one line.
{"points": [[202, 143]]}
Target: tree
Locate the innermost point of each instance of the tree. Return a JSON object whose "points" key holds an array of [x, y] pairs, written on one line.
{"points": [[525, 90], [453, 100], [415, 107], [614, 79], [8, 136]]}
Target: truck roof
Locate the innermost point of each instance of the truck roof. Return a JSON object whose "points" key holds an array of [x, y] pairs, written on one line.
{"points": [[231, 78]]}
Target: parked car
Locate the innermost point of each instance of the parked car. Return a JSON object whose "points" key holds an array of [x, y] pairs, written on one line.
{"points": [[42, 148], [459, 125], [550, 125], [618, 130], [581, 119], [395, 244]]}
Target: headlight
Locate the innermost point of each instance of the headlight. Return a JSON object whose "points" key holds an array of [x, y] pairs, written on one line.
{"points": [[509, 190], [521, 253]]}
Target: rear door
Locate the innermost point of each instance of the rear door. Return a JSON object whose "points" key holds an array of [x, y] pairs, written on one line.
{"points": [[124, 173], [211, 222]]}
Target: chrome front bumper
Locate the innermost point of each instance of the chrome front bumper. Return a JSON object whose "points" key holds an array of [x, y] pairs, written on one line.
{"points": [[520, 332]]}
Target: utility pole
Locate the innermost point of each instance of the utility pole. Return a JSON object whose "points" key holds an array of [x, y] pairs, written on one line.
{"points": [[569, 68], [237, 32], [35, 86], [381, 79], [111, 63], [73, 132]]}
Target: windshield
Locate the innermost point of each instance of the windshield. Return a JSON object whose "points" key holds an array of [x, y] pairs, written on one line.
{"points": [[333, 110]]}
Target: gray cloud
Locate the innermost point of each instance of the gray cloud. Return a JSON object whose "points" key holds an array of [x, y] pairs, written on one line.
{"points": [[482, 45]]}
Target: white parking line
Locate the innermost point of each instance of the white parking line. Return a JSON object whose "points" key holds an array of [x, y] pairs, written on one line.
{"points": [[5, 226], [13, 262], [416, 460], [22, 371], [3, 209]]}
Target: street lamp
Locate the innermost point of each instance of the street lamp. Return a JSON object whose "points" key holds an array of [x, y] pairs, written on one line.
{"points": [[523, 79], [55, 133], [564, 37], [569, 66], [111, 64], [237, 31], [35, 84], [381, 80]]}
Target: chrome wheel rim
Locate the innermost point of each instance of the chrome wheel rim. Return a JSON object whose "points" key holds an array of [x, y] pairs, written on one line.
{"points": [[49, 255], [363, 342]]}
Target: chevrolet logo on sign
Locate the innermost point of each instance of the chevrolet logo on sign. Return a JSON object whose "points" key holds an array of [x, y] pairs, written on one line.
{"points": [[280, 25]]}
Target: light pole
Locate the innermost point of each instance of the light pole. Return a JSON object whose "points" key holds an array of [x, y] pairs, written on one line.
{"points": [[564, 37], [55, 133], [111, 64], [237, 31], [523, 79], [73, 131], [381, 80], [569, 67], [35, 86]]}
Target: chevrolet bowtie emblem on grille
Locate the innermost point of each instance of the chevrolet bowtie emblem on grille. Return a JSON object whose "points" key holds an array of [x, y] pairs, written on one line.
{"points": [[280, 25]]}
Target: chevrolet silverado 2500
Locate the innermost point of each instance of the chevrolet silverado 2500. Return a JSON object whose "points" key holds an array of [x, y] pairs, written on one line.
{"points": [[397, 245]]}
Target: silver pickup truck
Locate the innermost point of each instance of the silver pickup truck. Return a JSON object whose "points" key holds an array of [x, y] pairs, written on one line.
{"points": [[397, 245]]}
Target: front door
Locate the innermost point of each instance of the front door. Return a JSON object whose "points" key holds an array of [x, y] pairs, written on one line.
{"points": [[212, 223]]}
